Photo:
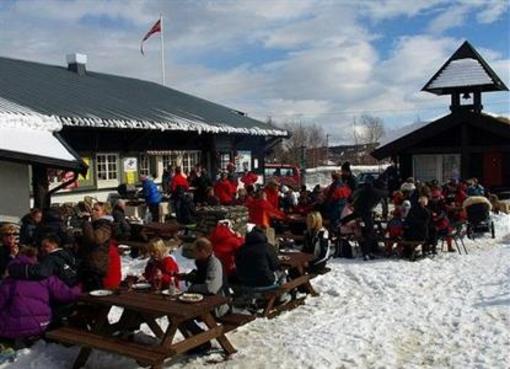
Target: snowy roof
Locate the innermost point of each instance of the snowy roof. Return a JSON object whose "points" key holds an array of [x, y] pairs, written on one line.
{"points": [[32, 138], [410, 135], [464, 71], [460, 73], [109, 101]]}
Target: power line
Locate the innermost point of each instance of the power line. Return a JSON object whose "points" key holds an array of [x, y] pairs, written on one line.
{"points": [[348, 112]]}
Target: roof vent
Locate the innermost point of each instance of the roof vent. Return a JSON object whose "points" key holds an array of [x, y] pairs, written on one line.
{"points": [[77, 63]]}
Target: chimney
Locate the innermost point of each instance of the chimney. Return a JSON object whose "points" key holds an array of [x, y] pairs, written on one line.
{"points": [[77, 63]]}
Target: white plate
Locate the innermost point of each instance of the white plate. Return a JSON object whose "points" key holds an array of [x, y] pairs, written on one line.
{"points": [[101, 293], [191, 297], [124, 247], [141, 286], [169, 292], [283, 258]]}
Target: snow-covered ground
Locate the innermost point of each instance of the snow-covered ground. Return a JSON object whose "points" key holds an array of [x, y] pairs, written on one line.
{"points": [[452, 311], [322, 175]]}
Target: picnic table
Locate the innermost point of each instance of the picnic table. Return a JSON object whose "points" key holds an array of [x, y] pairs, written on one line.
{"points": [[163, 230], [297, 264], [144, 307]]}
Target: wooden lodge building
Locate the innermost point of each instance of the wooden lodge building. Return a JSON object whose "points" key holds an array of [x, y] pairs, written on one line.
{"points": [[465, 143], [122, 127]]}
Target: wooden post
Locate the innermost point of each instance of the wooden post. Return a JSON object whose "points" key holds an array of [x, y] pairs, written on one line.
{"points": [[40, 186]]}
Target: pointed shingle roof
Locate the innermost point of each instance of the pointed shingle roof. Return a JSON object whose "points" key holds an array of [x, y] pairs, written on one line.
{"points": [[464, 71]]}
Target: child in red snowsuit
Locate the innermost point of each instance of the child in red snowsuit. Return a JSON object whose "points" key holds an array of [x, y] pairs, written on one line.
{"points": [[225, 243], [161, 266]]}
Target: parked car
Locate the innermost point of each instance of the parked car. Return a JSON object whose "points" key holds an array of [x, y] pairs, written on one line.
{"points": [[286, 174], [363, 176]]}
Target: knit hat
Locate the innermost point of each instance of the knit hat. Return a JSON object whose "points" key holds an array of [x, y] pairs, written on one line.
{"points": [[9, 229]]}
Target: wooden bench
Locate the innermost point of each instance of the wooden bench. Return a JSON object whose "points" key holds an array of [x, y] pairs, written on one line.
{"points": [[322, 271], [233, 320], [143, 354], [410, 247], [267, 300]]}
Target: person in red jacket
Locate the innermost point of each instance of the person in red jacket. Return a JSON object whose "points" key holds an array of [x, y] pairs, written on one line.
{"points": [[179, 179], [161, 268], [272, 194], [225, 243], [224, 190], [261, 211], [113, 275], [249, 178]]}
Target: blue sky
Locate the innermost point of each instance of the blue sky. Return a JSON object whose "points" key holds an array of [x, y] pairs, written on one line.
{"points": [[308, 61]]}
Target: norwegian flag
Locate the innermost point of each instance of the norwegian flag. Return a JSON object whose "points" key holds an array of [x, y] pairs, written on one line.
{"points": [[155, 29]]}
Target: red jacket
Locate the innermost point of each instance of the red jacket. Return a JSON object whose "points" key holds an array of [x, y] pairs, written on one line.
{"points": [[114, 273], [249, 178], [179, 180], [168, 267], [273, 197], [260, 212], [225, 192], [225, 244]]}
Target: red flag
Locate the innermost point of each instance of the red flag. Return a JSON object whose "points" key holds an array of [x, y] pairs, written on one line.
{"points": [[155, 29]]}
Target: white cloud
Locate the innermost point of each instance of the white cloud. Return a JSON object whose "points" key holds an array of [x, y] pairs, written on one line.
{"points": [[326, 70]]}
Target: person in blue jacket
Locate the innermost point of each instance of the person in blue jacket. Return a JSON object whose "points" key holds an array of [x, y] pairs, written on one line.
{"points": [[152, 196]]}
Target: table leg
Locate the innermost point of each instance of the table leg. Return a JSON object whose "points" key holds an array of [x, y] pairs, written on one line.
{"points": [[307, 285], [98, 325], [169, 335], [225, 344], [153, 325]]}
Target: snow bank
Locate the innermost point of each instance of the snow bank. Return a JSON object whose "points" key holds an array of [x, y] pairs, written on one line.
{"points": [[452, 311], [322, 175]]}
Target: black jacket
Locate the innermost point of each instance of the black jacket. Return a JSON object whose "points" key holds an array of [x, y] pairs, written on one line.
{"points": [[122, 229], [27, 231], [366, 198], [60, 263], [256, 261], [52, 224], [416, 225]]}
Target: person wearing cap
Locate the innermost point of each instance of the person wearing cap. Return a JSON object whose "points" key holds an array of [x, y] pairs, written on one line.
{"points": [[29, 225], [9, 248], [417, 222], [273, 194], [409, 190], [226, 242]]}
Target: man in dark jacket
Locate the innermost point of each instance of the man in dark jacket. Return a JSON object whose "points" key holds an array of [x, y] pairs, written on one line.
{"points": [[201, 184], [29, 225], [52, 225], [347, 176], [55, 262], [417, 222], [256, 261], [122, 229], [364, 200]]}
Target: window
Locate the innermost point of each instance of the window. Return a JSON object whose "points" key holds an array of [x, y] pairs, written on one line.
{"points": [[189, 160], [144, 169], [107, 169], [243, 161], [171, 159], [440, 167], [224, 160], [270, 172]]}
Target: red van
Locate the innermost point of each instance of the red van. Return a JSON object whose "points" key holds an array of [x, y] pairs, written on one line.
{"points": [[286, 174]]}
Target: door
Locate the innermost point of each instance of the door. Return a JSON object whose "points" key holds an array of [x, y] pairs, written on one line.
{"points": [[492, 169]]}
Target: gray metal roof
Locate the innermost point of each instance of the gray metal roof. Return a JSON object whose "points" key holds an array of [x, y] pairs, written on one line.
{"points": [[109, 101]]}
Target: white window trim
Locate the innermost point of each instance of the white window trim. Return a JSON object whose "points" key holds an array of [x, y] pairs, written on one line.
{"points": [[102, 183]]}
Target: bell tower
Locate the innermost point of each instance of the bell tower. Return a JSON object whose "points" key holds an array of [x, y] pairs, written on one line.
{"points": [[465, 76]]}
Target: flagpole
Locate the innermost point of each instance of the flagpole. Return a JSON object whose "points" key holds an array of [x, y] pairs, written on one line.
{"points": [[162, 49]]}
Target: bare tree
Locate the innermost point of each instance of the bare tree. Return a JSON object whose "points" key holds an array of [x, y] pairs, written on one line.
{"points": [[308, 141], [370, 129]]}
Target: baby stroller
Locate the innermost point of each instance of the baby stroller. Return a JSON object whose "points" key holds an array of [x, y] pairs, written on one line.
{"points": [[478, 216]]}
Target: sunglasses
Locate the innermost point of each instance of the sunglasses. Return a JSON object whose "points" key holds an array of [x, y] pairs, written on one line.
{"points": [[10, 234]]}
